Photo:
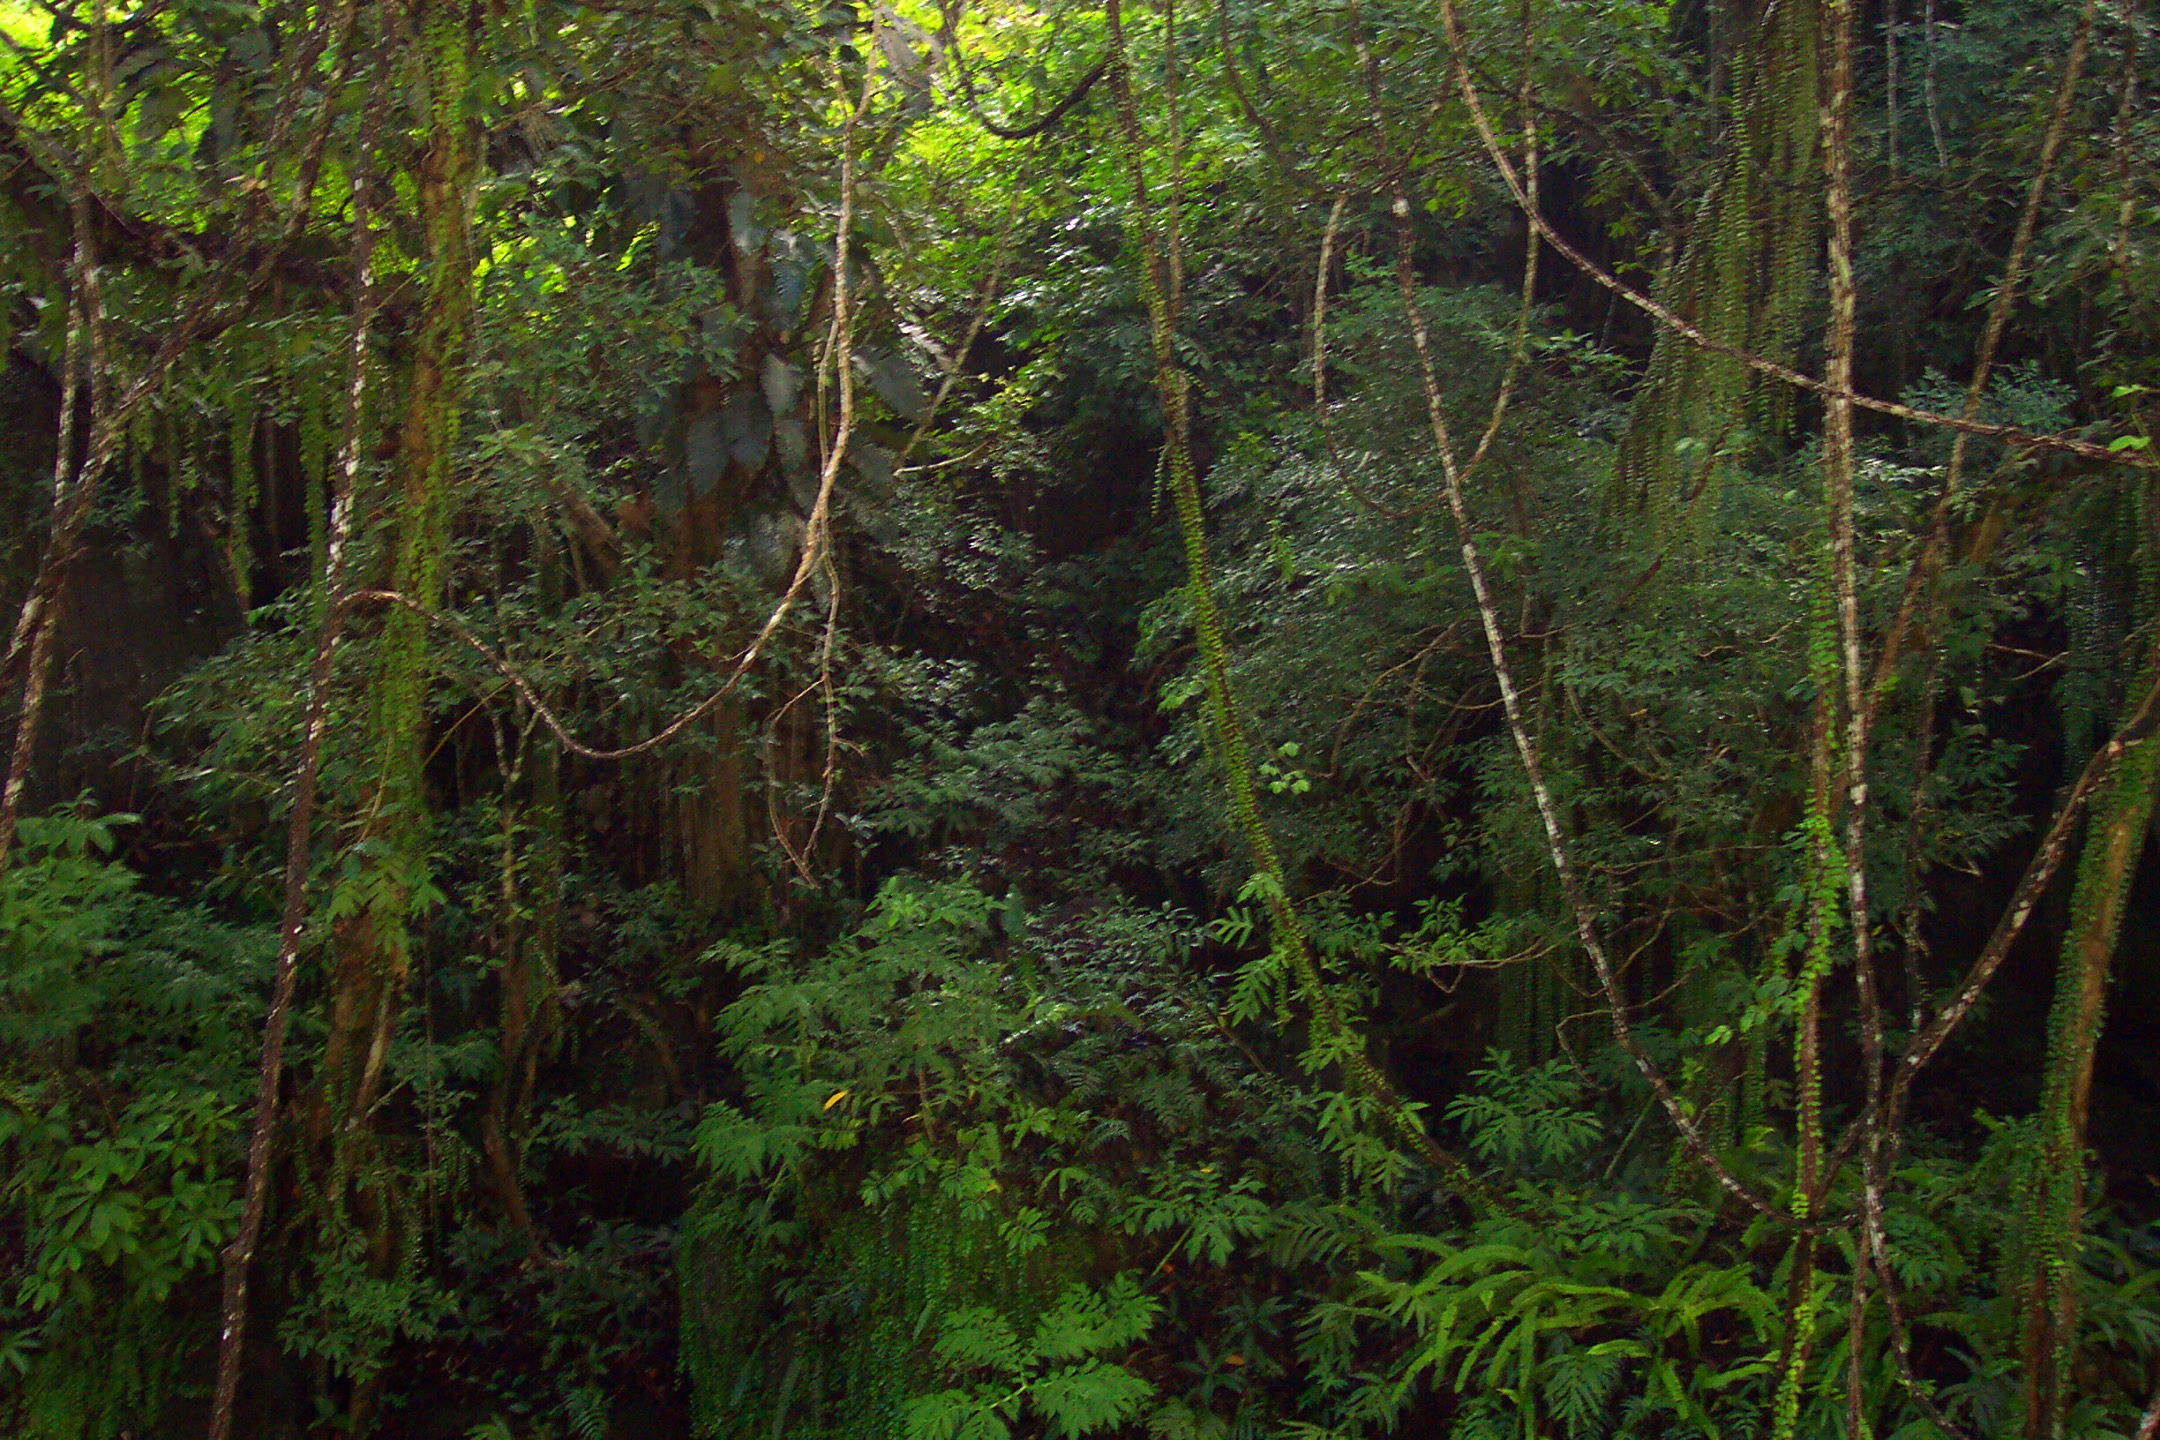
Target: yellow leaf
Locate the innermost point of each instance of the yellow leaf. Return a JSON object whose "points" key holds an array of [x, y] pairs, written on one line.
{"points": [[835, 1098]]}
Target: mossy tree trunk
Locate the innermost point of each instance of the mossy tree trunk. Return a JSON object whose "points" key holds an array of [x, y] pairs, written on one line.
{"points": [[364, 1221], [373, 949]]}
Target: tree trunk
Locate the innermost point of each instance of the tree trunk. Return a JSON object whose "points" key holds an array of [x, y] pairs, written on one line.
{"points": [[374, 949], [371, 946]]}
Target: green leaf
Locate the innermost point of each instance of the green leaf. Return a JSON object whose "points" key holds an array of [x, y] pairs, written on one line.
{"points": [[1091, 1396], [952, 1415], [979, 1335]]}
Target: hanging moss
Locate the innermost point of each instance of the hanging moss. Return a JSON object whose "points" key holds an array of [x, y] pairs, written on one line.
{"points": [[1745, 276], [239, 546], [105, 1371], [832, 1345]]}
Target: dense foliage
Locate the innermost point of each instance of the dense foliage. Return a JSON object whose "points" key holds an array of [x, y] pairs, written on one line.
{"points": [[1287, 718]]}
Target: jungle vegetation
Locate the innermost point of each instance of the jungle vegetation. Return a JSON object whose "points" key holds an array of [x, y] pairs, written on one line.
{"points": [[959, 719]]}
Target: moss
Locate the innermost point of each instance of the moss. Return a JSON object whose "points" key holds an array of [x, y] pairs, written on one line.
{"points": [[105, 1371], [833, 1345], [1745, 277]]}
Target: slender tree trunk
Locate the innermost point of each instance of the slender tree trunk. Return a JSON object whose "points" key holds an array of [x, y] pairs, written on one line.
{"points": [[514, 979], [1934, 109], [525, 977], [1892, 81], [1840, 342]]}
